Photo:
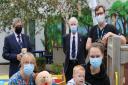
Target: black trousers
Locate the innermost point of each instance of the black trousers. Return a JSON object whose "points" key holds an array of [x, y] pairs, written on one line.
{"points": [[69, 71]]}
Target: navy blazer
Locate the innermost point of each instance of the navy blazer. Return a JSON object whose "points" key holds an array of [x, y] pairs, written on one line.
{"points": [[80, 52], [12, 48]]}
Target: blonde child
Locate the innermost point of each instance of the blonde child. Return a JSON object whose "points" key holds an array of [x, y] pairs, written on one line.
{"points": [[78, 76]]}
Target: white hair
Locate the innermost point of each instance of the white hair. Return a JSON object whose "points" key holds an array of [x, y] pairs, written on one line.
{"points": [[73, 19]]}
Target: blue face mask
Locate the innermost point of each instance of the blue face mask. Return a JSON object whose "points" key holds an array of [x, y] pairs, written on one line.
{"points": [[96, 62], [73, 29], [28, 69]]}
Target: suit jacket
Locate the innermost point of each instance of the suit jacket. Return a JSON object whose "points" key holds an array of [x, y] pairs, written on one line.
{"points": [[12, 48], [80, 52]]}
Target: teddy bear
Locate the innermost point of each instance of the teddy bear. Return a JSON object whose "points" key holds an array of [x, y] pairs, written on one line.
{"points": [[43, 78]]}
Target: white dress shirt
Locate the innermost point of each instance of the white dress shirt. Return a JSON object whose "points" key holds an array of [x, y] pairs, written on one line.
{"points": [[76, 45], [17, 39]]}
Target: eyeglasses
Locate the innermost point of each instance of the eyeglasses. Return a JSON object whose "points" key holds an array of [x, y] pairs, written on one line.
{"points": [[95, 56], [100, 13]]}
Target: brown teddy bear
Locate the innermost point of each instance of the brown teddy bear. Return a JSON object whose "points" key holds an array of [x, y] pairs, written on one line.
{"points": [[43, 78]]}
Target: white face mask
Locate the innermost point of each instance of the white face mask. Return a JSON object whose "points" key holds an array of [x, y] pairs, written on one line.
{"points": [[100, 18]]}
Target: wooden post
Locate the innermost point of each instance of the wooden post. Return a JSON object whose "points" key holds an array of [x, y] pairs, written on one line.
{"points": [[113, 52], [117, 62], [124, 64]]}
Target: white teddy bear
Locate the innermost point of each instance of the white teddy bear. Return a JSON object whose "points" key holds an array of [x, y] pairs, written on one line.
{"points": [[43, 78]]}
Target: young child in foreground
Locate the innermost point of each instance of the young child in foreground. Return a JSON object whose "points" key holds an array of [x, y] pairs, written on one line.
{"points": [[78, 76]]}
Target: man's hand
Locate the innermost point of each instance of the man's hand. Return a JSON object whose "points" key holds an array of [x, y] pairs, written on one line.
{"points": [[19, 57], [106, 36], [109, 34]]}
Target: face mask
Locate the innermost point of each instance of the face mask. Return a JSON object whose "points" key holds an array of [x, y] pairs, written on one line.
{"points": [[100, 18], [28, 69], [96, 62], [73, 29], [18, 30]]}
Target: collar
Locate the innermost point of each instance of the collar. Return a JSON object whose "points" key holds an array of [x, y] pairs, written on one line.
{"points": [[102, 74], [105, 23], [17, 34], [74, 34], [72, 81]]}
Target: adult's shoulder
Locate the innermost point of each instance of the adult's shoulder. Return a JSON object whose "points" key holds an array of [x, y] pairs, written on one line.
{"points": [[15, 77], [110, 26], [25, 35], [93, 28], [9, 36], [82, 36], [66, 35]]}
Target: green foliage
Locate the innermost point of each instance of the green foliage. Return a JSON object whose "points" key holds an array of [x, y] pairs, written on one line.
{"points": [[85, 18], [57, 68], [4, 1], [41, 61], [53, 31], [120, 9], [52, 15], [126, 7]]}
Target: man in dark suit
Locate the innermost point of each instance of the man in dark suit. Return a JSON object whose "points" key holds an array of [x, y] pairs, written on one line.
{"points": [[74, 48], [13, 44]]}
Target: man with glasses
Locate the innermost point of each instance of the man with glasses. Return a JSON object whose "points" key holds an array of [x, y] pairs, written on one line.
{"points": [[101, 32]]}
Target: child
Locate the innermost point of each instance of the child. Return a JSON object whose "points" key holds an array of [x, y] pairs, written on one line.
{"points": [[78, 76]]}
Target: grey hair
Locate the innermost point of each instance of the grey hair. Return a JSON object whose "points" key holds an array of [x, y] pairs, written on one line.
{"points": [[15, 20]]}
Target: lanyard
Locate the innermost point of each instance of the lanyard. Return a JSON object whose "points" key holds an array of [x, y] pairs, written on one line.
{"points": [[102, 32]]}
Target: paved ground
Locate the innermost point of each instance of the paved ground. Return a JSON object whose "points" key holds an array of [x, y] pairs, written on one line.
{"points": [[4, 69]]}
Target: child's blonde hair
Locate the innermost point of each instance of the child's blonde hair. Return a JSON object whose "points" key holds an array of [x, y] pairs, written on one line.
{"points": [[78, 68]]}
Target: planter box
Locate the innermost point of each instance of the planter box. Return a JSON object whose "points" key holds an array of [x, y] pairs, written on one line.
{"points": [[59, 79]]}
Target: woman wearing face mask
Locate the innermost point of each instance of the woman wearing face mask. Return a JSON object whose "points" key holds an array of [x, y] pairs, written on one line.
{"points": [[26, 75], [95, 69]]}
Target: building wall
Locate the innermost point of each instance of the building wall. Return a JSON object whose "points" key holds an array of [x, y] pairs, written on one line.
{"points": [[3, 34]]}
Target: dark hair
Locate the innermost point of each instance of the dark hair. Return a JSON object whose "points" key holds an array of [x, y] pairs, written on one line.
{"points": [[100, 46], [99, 6]]}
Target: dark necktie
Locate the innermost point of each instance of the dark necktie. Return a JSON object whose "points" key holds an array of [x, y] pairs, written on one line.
{"points": [[73, 47], [19, 41]]}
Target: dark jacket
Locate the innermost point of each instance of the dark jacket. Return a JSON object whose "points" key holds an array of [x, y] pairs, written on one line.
{"points": [[80, 52], [97, 79], [12, 48], [80, 58]]}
